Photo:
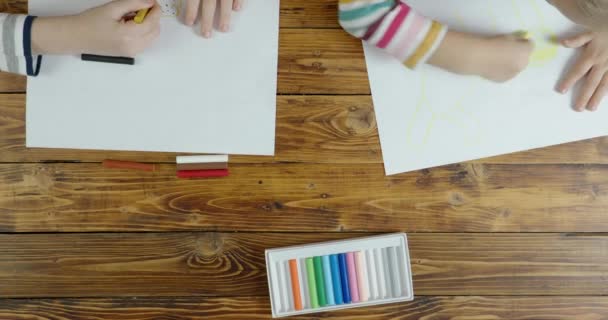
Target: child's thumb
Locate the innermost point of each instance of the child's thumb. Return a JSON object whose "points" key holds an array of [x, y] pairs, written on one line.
{"points": [[120, 8]]}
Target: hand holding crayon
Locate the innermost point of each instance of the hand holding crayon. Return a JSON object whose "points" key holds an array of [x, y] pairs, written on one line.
{"points": [[119, 33]]}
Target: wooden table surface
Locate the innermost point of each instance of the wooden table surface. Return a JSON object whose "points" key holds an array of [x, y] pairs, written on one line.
{"points": [[520, 236]]}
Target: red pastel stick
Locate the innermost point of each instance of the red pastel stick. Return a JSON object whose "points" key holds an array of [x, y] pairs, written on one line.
{"points": [[185, 174], [116, 164]]}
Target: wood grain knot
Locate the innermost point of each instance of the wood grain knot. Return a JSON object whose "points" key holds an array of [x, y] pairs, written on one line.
{"points": [[456, 199], [209, 244], [318, 66], [360, 121]]}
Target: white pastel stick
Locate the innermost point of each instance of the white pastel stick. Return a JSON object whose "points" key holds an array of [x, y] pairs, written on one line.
{"points": [[304, 283], [394, 266], [212, 158], [373, 279], [402, 277], [276, 291], [286, 281], [387, 273], [380, 270]]}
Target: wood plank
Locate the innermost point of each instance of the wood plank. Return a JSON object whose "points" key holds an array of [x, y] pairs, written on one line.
{"points": [[309, 14], [309, 128], [305, 197], [13, 6], [192, 308], [328, 61], [12, 83], [232, 264], [320, 129]]}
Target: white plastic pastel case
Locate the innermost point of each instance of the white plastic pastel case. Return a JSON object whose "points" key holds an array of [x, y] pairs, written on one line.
{"points": [[384, 255]]}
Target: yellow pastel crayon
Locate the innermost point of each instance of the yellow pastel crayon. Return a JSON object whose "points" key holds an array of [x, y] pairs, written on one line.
{"points": [[523, 34], [141, 14]]}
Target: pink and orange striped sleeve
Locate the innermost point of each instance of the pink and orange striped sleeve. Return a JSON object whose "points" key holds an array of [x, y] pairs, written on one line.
{"points": [[393, 26]]}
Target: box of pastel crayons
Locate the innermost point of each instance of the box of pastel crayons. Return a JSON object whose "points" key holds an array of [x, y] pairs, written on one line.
{"points": [[339, 274]]}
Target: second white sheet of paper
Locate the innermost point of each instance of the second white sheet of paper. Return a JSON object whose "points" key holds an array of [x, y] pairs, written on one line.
{"points": [[429, 117], [185, 94]]}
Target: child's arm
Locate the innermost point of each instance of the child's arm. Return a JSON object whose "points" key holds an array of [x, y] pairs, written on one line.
{"points": [[394, 27], [398, 29], [101, 30]]}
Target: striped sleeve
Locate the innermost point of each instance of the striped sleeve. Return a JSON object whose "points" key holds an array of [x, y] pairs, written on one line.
{"points": [[16, 45], [393, 26]]}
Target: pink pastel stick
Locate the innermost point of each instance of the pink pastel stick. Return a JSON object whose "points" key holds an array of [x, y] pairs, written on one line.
{"points": [[352, 277], [362, 278]]}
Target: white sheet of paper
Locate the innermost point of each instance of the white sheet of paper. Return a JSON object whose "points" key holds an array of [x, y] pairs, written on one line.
{"points": [[429, 117], [185, 94]]}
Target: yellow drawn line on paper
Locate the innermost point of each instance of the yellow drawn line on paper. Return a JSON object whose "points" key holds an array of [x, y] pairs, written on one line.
{"points": [[546, 48], [539, 14], [494, 18], [417, 111], [517, 12], [459, 17], [456, 116]]}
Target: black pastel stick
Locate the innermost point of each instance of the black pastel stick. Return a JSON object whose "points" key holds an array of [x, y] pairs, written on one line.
{"points": [[107, 59]]}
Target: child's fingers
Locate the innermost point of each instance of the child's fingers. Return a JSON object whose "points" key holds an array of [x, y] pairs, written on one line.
{"points": [[237, 5], [225, 12], [591, 84], [576, 72], [121, 8], [152, 18], [207, 15], [191, 11], [578, 40], [599, 94]]}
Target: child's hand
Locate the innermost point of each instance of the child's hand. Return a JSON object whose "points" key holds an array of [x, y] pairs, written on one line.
{"points": [[207, 10], [498, 58], [504, 57], [102, 30], [593, 65]]}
